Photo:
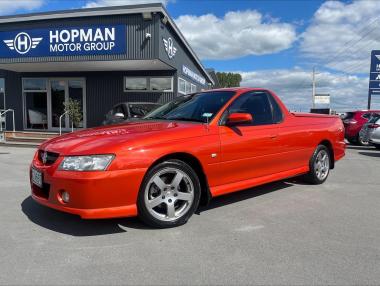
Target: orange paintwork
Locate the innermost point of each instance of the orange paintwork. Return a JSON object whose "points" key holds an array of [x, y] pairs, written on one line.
{"points": [[246, 156]]}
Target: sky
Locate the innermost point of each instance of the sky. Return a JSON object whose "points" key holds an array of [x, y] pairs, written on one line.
{"points": [[273, 44]]}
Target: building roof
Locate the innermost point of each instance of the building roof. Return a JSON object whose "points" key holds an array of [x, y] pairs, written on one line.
{"points": [[106, 11]]}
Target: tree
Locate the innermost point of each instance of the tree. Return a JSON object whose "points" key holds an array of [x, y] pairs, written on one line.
{"points": [[229, 79], [74, 111]]}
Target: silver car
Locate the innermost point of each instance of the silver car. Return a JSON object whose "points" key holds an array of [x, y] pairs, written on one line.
{"points": [[365, 130], [371, 131]]}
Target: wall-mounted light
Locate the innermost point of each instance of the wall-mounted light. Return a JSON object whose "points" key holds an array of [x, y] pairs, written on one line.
{"points": [[147, 16], [148, 35], [164, 20]]}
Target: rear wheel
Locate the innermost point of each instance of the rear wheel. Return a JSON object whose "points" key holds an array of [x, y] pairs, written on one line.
{"points": [[169, 194], [319, 166]]}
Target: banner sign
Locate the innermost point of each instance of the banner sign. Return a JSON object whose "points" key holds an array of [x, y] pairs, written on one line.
{"points": [[69, 41], [322, 99], [194, 76]]}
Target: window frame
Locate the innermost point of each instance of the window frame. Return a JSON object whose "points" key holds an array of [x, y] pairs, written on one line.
{"points": [[179, 91], [148, 84]]}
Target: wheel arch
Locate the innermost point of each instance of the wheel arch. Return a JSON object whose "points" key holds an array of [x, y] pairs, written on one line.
{"points": [[194, 163], [329, 146]]}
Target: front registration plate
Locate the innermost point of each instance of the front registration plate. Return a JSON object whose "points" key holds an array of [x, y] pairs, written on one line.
{"points": [[37, 178]]}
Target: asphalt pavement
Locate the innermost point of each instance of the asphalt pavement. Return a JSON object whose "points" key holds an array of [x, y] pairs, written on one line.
{"points": [[284, 233]]}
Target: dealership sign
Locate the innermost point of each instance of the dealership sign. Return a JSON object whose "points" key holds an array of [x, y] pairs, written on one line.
{"points": [[374, 78], [73, 41], [194, 76], [322, 99]]}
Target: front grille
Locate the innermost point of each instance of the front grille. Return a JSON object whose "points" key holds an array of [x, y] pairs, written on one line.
{"points": [[50, 157]]}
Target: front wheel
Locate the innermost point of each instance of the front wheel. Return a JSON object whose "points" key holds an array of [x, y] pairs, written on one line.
{"points": [[319, 166], [169, 194]]}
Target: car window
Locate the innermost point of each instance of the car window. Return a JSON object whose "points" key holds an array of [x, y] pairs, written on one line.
{"points": [[366, 115], [374, 118], [257, 104], [140, 110], [348, 115], [118, 109]]}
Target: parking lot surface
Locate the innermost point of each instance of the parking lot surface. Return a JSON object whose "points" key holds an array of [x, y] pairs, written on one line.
{"points": [[282, 233]]}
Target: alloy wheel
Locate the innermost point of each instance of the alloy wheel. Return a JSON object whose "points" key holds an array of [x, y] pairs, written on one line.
{"points": [[322, 165], [169, 194]]}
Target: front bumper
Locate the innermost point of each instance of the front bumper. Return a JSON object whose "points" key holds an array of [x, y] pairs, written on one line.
{"points": [[105, 194]]}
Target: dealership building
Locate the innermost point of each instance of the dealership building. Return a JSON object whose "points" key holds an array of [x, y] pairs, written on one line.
{"points": [[99, 57]]}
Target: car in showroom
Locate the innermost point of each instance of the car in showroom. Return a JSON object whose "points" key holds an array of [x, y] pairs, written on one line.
{"points": [[189, 150], [129, 110], [353, 123]]}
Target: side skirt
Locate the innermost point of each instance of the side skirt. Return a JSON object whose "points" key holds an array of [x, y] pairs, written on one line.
{"points": [[242, 185]]}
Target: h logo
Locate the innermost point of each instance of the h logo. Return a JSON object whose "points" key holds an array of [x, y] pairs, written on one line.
{"points": [[22, 43], [169, 47]]}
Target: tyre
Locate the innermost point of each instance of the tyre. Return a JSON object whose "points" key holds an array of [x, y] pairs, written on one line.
{"points": [[377, 146], [362, 142], [169, 194], [319, 166]]}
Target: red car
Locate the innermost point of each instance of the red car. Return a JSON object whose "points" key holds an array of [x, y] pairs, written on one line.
{"points": [[196, 147], [353, 123]]}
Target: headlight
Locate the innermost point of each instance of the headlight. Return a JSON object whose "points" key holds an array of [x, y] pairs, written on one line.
{"points": [[86, 163]]}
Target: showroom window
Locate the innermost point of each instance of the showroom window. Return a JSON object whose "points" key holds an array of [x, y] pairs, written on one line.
{"points": [[136, 83], [148, 84], [186, 87], [161, 83], [181, 85]]}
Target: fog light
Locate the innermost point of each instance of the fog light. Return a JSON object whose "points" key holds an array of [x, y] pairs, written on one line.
{"points": [[65, 197]]}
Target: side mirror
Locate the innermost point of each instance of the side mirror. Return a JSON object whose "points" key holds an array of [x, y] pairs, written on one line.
{"points": [[239, 118], [119, 115]]}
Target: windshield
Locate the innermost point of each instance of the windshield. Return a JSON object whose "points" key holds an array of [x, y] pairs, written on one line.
{"points": [[201, 107], [374, 118]]}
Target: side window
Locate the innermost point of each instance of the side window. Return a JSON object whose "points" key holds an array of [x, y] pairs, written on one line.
{"points": [[366, 115], [257, 104], [118, 109]]}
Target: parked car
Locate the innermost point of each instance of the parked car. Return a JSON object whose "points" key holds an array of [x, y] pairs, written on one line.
{"points": [[368, 128], [353, 123], [127, 110], [190, 150], [374, 133]]}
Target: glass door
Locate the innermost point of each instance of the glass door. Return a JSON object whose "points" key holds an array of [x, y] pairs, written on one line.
{"points": [[57, 103], [61, 91]]}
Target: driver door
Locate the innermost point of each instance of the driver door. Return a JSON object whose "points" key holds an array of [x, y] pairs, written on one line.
{"points": [[248, 151]]}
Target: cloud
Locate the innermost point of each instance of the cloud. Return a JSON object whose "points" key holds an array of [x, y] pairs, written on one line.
{"points": [[102, 3], [237, 34], [347, 92], [8, 7], [342, 35]]}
